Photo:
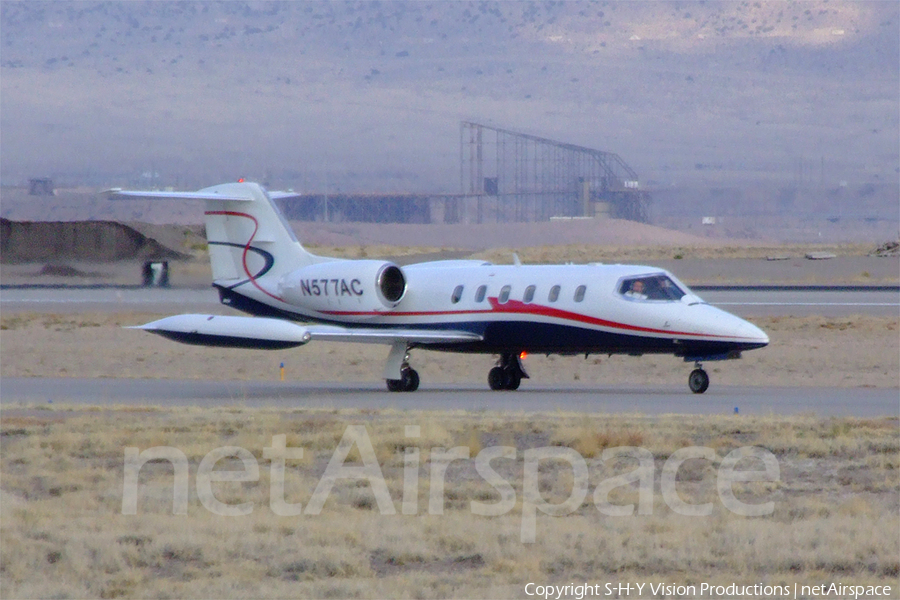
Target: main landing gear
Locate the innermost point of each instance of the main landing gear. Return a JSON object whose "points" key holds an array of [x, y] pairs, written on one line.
{"points": [[508, 373], [408, 382], [698, 380]]}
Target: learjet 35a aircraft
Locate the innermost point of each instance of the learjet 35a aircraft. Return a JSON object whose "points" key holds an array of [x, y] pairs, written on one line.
{"points": [[259, 267]]}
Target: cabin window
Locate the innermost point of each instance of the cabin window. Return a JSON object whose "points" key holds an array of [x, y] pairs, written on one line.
{"points": [[480, 293], [457, 294], [529, 293], [653, 287], [554, 293], [579, 293], [504, 294]]}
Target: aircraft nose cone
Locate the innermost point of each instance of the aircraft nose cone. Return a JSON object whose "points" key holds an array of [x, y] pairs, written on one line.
{"points": [[733, 327], [753, 334]]}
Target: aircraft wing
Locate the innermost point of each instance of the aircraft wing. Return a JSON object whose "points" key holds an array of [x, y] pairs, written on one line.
{"points": [[273, 334], [334, 333]]}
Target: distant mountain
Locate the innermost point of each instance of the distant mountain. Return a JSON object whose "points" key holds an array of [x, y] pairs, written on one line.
{"points": [[358, 96]]}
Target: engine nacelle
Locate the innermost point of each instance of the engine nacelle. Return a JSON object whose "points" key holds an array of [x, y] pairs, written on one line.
{"points": [[357, 289]]}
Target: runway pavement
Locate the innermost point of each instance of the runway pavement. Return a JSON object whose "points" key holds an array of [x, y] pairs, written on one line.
{"points": [[860, 402], [805, 302], [650, 400], [744, 301]]}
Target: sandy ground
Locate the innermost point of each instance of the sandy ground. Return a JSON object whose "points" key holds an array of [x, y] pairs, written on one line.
{"points": [[694, 264], [804, 351], [476, 236]]}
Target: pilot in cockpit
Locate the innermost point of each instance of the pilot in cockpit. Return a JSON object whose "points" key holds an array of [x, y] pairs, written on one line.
{"points": [[636, 291]]}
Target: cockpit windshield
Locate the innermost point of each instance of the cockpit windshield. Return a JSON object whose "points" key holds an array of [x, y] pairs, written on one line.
{"points": [[650, 287]]}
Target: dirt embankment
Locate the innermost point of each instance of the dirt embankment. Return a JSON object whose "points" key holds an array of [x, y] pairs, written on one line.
{"points": [[93, 241]]}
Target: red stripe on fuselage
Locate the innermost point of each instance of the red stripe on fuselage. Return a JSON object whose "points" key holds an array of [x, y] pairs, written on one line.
{"points": [[518, 307]]}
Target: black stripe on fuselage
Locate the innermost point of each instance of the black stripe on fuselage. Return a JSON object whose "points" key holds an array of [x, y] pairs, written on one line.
{"points": [[553, 338]]}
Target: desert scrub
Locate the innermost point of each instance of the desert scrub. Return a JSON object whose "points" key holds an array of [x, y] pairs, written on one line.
{"points": [[64, 532]]}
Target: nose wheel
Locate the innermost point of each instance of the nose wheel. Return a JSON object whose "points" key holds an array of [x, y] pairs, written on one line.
{"points": [[698, 380]]}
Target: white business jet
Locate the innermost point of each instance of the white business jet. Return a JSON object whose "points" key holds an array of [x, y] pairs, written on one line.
{"points": [[259, 267]]}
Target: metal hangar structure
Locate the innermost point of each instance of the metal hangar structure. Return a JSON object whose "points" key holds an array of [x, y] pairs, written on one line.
{"points": [[505, 177], [522, 177]]}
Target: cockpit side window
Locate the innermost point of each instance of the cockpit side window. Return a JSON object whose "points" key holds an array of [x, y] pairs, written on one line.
{"points": [[651, 287]]}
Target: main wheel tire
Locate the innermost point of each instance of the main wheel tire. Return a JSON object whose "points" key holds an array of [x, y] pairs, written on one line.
{"points": [[394, 385], [497, 378], [410, 380], [698, 381], [514, 379]]}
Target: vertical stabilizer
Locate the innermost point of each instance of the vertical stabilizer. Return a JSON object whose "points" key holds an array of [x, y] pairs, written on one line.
{"points": [[248, 235]]}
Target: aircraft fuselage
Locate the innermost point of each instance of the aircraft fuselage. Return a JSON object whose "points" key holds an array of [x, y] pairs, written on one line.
{"points": [[567, 309]]}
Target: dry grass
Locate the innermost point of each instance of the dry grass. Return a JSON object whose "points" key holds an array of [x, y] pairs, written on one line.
{"points": [[64, 535], [805, 351]]}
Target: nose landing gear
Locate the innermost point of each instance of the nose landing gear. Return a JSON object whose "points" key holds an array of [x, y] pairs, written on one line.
{"points": [[698, 380], [508, 373]]}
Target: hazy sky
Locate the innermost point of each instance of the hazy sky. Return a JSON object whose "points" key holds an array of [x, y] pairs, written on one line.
{"points": [[369, 96]]}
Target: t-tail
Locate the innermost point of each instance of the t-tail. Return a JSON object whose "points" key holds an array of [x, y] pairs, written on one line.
{"points": [[247, 234]]}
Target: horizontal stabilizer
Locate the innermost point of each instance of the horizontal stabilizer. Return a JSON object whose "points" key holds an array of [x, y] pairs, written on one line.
{"points": [[120, 194], [284, 195]]}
